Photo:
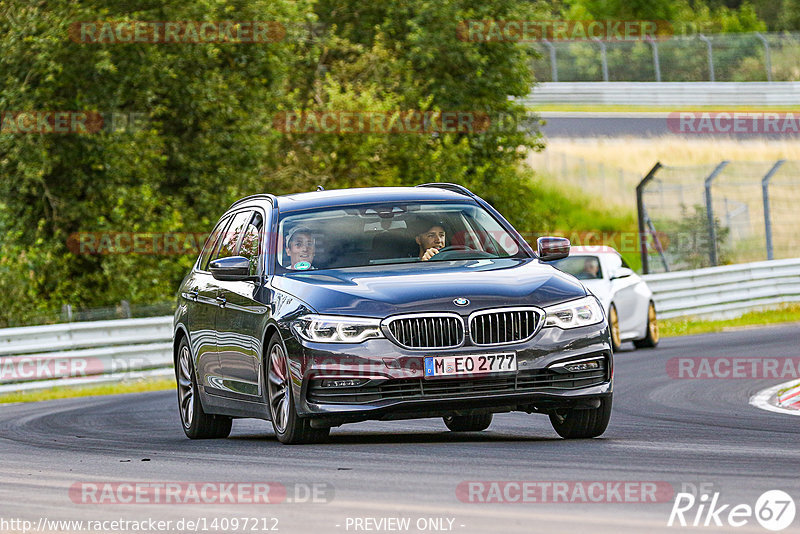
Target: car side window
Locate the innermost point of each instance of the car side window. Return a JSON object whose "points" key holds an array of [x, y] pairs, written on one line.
{"points": [[211, 243], [250, 244], [230, 238]]}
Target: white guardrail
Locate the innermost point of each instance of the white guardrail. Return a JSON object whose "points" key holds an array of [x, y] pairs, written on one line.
{"points": [[69, 354], [725, 291], [666, 93]]}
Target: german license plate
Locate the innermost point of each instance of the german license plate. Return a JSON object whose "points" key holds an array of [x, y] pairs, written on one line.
{"points": [[470, 364]]}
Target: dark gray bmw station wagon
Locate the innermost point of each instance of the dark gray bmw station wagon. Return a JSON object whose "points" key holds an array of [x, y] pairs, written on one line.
{"points": [[318, 309]]}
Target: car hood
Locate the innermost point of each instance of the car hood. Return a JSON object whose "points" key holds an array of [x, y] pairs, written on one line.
{"points": [[380, 291], [601, 289]]}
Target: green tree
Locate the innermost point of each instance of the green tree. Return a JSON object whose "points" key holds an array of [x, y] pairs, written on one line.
{"points": [[201, 147]]}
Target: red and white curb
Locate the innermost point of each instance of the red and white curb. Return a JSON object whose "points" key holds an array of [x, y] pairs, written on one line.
{"points": [[788, 402]]}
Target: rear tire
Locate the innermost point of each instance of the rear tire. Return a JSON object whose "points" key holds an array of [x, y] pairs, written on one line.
{"points": [[581, 424], [651, 339], [613, 325], [196, 423], [468, 423], [289, 428]]}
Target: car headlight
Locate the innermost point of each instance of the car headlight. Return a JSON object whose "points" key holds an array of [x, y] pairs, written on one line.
{"points": [[336, 329], [581, 312]]}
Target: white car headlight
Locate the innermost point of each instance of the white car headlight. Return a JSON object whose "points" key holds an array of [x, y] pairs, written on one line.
{"points": [[581, 312], [336, 329]]}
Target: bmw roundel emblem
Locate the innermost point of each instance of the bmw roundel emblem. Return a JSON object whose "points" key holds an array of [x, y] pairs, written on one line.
{"points": [[461, 301]]}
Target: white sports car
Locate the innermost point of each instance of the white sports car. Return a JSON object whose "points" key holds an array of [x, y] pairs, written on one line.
{"points": [[625, 296]]}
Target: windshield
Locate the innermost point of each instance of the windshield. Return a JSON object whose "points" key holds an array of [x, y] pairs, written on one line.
{"points": [[378, 234], [581, 267]]}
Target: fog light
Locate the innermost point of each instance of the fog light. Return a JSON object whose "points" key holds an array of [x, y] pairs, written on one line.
{"points": [[343, 382], [583, 366]]}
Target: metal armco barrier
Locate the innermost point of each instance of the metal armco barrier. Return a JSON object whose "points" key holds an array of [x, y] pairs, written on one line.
{"points": [[666, 93], [34, 357], [725, 291], [72, 354]]}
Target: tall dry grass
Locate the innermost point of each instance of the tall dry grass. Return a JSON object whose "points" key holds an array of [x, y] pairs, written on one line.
{"points": [[608, 169], [638, 155]]}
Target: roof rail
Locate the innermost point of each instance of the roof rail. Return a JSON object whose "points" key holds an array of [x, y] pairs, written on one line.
{"points": [[251, 197], [456, 188]]}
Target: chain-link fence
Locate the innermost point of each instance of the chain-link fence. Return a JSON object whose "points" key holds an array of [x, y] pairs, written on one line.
{"points": [[722, 57], [731, 212], [613, 183]]}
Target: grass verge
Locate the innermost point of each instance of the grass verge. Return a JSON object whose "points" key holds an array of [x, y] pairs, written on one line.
{"points": [[686, 326], [139, 386]]}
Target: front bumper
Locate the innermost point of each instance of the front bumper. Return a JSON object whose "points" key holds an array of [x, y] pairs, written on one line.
{"points": [[391, 382]]}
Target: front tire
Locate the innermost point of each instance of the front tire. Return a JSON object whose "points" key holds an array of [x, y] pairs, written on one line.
{"points": [[468, 423], [581, 424], [652, 337], [288, 426], [196, 423]]}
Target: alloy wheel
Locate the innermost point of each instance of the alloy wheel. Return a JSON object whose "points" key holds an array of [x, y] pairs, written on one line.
{"points": [[614, 320], [652, 323], [185, 388], [278, 388]]}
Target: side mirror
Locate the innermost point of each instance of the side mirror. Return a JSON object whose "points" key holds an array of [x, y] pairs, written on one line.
{"points": [[622, 272], [231, 269], [552, 248]]}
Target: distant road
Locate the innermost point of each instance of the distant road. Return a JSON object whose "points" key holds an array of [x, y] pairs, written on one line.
{"points": [[633, 124]]}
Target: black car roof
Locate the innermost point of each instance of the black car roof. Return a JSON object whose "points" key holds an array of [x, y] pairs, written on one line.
{"points": [[366, 195]]}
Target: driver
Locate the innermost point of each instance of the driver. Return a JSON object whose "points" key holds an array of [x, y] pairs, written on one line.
{"points": [[590, 269], [430, 239], [300, 247]]}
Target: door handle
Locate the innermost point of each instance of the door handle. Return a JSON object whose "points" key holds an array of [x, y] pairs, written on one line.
{"points": [[221, 300]]}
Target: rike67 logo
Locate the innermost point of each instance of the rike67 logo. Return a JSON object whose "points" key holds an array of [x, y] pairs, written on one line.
{"points": [[774, 510]]}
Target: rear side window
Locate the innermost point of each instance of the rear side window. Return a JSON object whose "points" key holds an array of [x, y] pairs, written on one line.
{"points": [[211, 243], [250, 244], [231, 236]]}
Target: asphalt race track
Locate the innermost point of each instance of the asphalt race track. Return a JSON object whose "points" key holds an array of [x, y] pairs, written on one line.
{"points": [[688, 433], [632, 124]]}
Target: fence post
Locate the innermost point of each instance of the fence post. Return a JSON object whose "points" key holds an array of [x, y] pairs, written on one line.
{"points": [[603, 57], [767, 56], [712, 230], [767, 218], [656, 64], [710, 56], [640, 215], [553, 64]]}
